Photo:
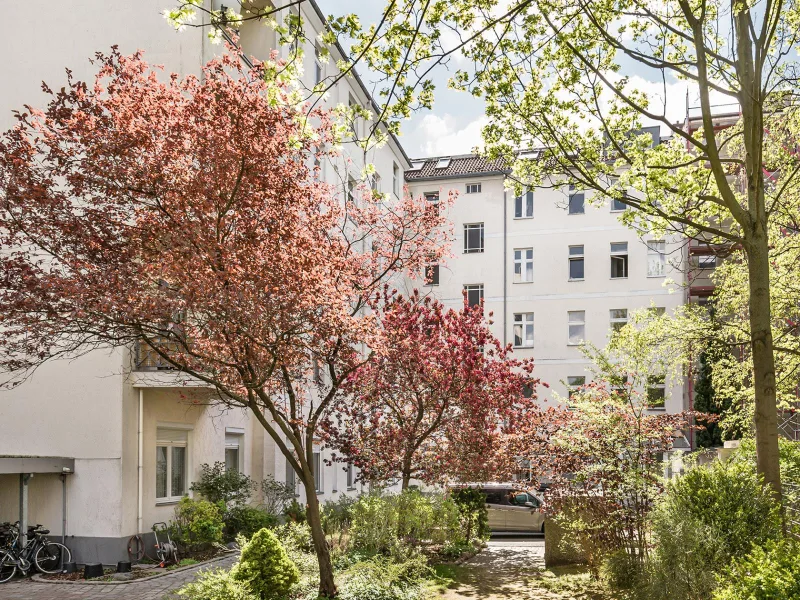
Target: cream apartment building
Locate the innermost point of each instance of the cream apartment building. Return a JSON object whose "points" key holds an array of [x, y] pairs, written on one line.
{"points": [[551, 268], [103, 446]]}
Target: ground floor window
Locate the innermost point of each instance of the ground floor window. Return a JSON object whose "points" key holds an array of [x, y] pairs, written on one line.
{"points": [[233, 451], [318, 465], [171, 463]]}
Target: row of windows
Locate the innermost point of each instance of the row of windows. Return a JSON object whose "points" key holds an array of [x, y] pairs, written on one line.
{"points": [[172, 466], [523, 258], [655, 393], [523, 204], [576, 325]]}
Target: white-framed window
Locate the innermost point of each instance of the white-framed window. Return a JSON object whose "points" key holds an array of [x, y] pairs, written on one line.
{"points": [[171, 464], [574, 384], [319, 473], [576, 320], [656, 259], [707, 261], [523, 330], [528, 389], [618, 205], [376, 183], [353, 104], [351, 476], [473, 188], [474, 294], [319, 72], [432, 199], [577, 202], [473, 238], [619, 260], [523, 205], [657, 311], [432, 274], [656, 391], [523, 265], [351, 191], [618, 318], [234, 449], [291, 478], [576, 263], [396, 179]]}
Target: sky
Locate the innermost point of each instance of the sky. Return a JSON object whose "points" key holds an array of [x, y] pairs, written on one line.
{"points": [[454, 124]]}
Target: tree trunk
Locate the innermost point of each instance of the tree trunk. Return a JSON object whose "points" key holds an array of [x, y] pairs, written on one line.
{"points": [[327, 585], [406, 481], [766, 410]]}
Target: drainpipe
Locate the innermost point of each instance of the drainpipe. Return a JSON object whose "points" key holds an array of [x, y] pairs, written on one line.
{"points": [[63, 508], [505, 269], [139, 463]]}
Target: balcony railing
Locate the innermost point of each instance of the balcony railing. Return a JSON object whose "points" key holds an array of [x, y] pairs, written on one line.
{"points": [[148, 359]]}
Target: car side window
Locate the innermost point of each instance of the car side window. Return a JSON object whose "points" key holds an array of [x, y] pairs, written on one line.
{"points": [[493, 497]]}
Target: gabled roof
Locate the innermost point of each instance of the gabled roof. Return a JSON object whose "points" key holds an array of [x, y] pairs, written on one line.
{"points": [[463, 165]]}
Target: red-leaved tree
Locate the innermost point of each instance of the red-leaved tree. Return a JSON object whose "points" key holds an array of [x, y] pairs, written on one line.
{"points": [[433, 403], [183, 216]]}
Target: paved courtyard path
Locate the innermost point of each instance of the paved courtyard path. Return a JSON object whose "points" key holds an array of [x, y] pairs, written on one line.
{"points": [[151, 589], [514, 569]]}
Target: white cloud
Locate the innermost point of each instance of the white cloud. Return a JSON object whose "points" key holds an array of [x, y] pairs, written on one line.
{"points": [[440, 136]]}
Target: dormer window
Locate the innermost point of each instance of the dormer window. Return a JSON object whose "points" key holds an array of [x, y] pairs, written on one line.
{"points": [[443, 163]]}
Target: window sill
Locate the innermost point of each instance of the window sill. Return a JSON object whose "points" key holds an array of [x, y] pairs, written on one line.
{"points": [[571, 279], [656, 276], [473, 251], [576, 343], [657, 408], [613, 278], [168, 501], [431, 284], [521, 282], [351, 489], [575, 214], [523, 347], [523, 218]]}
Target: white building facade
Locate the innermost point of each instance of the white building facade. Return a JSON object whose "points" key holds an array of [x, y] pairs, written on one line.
{"points": [[105, 445], [553, 269]]}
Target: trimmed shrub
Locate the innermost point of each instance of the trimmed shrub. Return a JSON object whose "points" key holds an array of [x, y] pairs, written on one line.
{"points": [[197, 525], [473, 514], [246, 520], [265, 567], [708, 517], [216, 584], [219, 484], [767, 573]]}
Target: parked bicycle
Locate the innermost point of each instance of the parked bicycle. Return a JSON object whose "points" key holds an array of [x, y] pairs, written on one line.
{"points": [[46, 556]]}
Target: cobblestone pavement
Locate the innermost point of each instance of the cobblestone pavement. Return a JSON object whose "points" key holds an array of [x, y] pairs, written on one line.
{"points": [[151, 589]]}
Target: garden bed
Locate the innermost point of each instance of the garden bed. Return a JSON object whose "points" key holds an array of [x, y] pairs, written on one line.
{"points": [[138, 573]]}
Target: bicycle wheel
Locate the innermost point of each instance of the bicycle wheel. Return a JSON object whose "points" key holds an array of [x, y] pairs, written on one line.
{"points": [[8, 566], [48, 558]]}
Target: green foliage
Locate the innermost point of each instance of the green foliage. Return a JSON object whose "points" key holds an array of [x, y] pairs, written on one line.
{"points": [[622, 571], [265, 567], [708, 517], [384, 523], [771, 572], [218, 484], [216, 584], [707, 401], [197, 524], [246, 520], [275, 495], [295, 512], [337, 517], [381, 578], [295, 535], [474, 516]]}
